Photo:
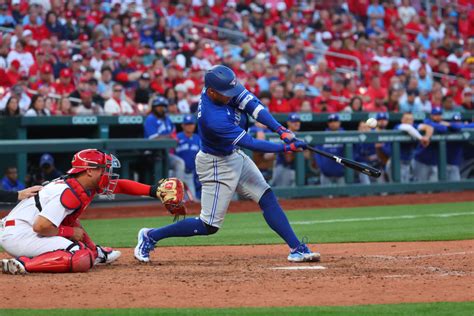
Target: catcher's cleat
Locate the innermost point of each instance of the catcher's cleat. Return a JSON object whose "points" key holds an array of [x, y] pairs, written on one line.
{"points": [[144, 246], [106, 255], [13, 266], [303, 254]]}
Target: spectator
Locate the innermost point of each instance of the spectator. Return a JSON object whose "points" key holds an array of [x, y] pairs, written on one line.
{"points": [[18, 92], [331, 172], [12, 107], [406, 12], [25, 58], [10, 180], [448, 104], [188, 146], [48, 171], [299, 97], [6, 18], [424, 38], [425, 101], [376, 12], [117, 105], [38, 107], [355, 105], [64, 107], [278, 103], [425, 81], [96, 97], [412, 104], [143, 92], [65, 85], [182, 97], [52, 24], [87, 105], [106, 83]]}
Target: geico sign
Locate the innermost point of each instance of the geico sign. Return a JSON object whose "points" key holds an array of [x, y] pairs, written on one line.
{"points": [[130, 120], [84, 120]]}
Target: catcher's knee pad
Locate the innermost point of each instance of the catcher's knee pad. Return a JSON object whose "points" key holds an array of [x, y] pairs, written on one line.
{"points": [[211, 229], [76, 258]]}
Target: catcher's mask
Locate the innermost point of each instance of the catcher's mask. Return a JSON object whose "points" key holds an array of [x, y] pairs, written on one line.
{"points": [[92, 159]]}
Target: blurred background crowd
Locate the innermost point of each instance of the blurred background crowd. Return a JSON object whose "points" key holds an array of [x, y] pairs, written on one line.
{"points": [[112, 57]]}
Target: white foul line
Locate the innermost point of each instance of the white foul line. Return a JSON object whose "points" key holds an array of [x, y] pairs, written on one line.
{"points": [[300, 268], [380, 218]]}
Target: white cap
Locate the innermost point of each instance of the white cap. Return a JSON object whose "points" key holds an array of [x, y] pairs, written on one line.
{"points": [[189, 84], [181, 87], [26, 33], [282, 61], [326, 35], [77, 57], [281, 6]]}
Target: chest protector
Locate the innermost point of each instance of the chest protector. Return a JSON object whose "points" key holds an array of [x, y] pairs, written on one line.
{"points": [[75, 198]]}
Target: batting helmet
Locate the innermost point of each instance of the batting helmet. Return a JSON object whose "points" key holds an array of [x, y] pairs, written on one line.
{"points": [[93, 159], [223, 80]]}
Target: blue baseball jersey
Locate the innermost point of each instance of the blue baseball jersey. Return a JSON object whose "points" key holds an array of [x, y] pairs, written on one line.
{"points": [[429, 155], [187, 149], [220, 126], [366, 153], [154, 126], [329, 167], [407, 150]]}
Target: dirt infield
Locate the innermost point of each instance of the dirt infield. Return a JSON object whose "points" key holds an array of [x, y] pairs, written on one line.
{"points": [[234, 276]]}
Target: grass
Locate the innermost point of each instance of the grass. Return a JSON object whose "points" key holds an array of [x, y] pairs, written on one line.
{"points": [[453, 221], [458, 309]]}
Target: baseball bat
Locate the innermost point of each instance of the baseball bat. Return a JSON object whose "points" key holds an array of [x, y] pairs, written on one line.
{"points": [[357, 166]]}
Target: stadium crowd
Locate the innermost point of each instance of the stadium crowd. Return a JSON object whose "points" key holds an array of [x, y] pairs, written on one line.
{"points": [[112, 57]]}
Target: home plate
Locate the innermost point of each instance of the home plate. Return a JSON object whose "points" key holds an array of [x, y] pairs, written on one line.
{"points": [[300, 268]]}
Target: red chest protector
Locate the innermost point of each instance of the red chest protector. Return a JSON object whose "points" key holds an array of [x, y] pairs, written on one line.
{"points": [[75, 198]]}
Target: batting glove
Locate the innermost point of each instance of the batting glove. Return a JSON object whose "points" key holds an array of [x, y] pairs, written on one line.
{"points": [[296, 146], [285, 134]]}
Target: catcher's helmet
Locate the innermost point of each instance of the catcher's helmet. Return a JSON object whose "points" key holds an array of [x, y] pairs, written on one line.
{"points": [[223, 80], [93, 159]]}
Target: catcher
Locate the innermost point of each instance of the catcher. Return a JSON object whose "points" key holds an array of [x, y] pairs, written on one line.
{"points": [[44, 233]]}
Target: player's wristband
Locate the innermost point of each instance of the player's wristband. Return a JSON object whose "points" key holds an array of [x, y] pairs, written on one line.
{"points": [[153, 190], [289, 147], [65, 231]]}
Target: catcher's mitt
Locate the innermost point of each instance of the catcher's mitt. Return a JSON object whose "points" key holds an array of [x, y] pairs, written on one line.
{"points": [[171, 193]]}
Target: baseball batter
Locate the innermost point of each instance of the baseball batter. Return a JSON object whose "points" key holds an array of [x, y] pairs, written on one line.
{"points": [[44, 232], [224, 169]]}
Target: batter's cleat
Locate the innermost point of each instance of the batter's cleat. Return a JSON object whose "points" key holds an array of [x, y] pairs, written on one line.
{"points": [[13, 266], [303, 254], [144, 246]]}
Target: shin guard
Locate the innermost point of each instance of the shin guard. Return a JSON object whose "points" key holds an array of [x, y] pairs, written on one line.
{"points": [[60, 261]]}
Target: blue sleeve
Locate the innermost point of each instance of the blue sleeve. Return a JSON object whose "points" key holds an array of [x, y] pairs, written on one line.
{"points": [[456, 127], [439, 128], [470, 125], [249, 103], [253, 144], [150, 128]]}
